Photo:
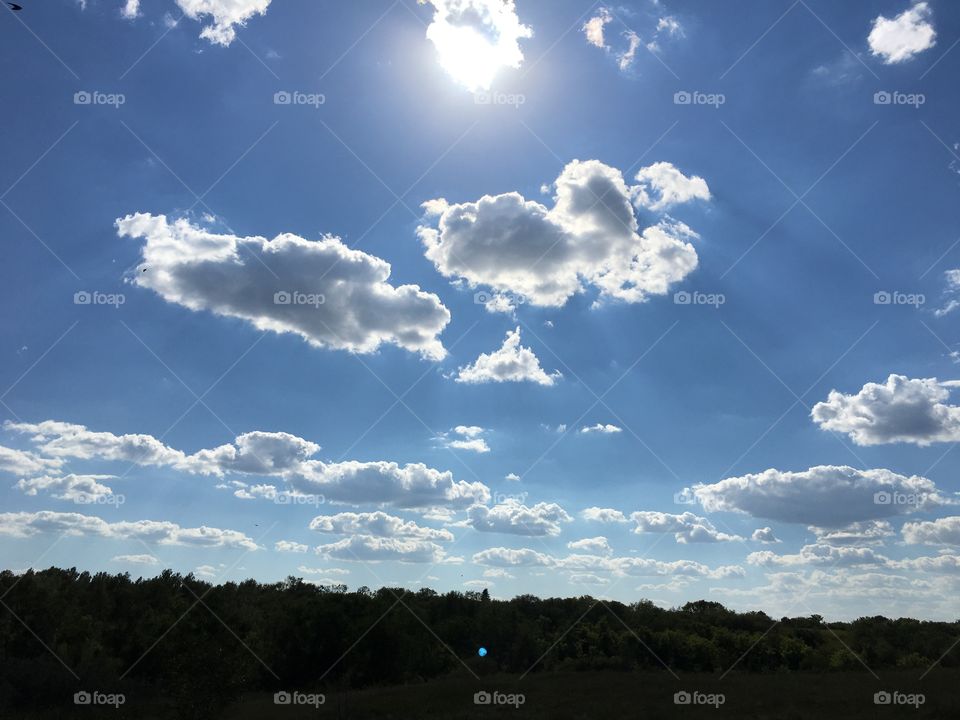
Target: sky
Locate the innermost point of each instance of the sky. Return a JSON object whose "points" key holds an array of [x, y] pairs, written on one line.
{"points": [[648, 300]]}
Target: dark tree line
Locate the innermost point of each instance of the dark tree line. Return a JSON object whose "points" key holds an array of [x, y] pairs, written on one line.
{"points": [[175, 639]]}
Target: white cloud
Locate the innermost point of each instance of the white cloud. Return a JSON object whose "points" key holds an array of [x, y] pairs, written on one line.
{"points": [[942, 531], [76, 488], [826, 555], [470, 438], [661, 186], [626, 58], [136, 559], [508, 557], [475, 39], [592, 546], [824, 496], [687, 528], [952, 291], [377, 524], [601, 428], [498, 573], [225, 15], [671, 26], [590, 236], [901, 410], [366, 548], [604, 515], [289, 546], [329, 295], [764, 535], [512, 477], [515, 518], [20, 462], [130, 10], [868, 532], [901, 38], [206, 571], [26, 524], [593, 28], [511, 363]]}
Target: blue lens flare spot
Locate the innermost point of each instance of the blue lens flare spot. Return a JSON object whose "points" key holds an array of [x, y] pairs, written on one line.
{"points": [[482, 652]]}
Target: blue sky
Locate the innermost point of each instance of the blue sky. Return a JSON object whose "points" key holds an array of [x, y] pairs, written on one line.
{"points": [[687, 249]]}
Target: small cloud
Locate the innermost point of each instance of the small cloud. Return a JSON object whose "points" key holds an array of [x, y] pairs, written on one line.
{"points": [[899, 39], [600, 428]]}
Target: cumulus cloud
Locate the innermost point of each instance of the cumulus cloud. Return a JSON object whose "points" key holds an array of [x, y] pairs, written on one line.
{"points": [[900, 410], [76, 488], [516, 518], [942, 531], [868, 532], [130, 10], [367, 548], [686, 528], [592, 546], [661, 186], [507, 557], [136, 559], [224, 16], [899, 39], [475, 39], [604, 515], [289, 546], [274, 454], [20, 462], [594, 27], [826, 555], [590, 237], [825, 496], [377, 524], [329, 295], [26, 524], [601, 428], [467, 437], [511, 363], [764, 535]]}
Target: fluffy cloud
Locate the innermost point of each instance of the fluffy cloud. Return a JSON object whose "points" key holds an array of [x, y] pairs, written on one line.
{"points": [[593, 28], [604, 515], [289, 546], [506, 557], [366, 548], [474, 39], [25, 524], [469, 437], [130, 10], [901, 38], [225, 15], [901, 410], [661, 186], [377, 524], [515, 518], [20, 462], [511, 363], [825, 496], [274, 454], [868, 532], [136, 559], [826, 555], [942, 531], [764, 535], [687, 528], [593, 546], [76, 488], [321, 290], [590, 236], [601, 428]]}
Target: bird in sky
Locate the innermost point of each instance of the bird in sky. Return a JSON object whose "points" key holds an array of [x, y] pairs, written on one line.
{"points": [[15, 7]]}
